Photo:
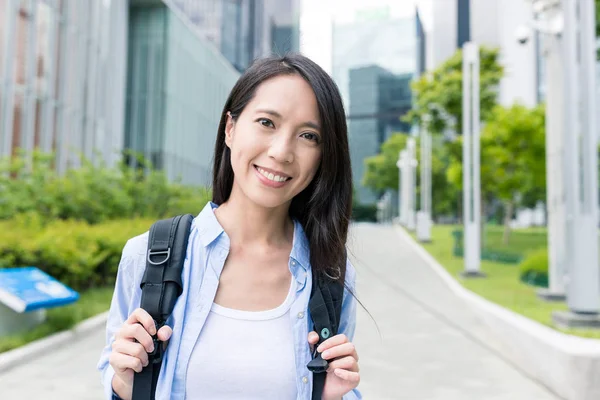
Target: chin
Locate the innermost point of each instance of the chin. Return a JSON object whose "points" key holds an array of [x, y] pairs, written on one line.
{"points": [[269, 201]]}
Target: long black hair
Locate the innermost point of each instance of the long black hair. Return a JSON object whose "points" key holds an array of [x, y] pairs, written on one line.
{"points": [[325, 206]]}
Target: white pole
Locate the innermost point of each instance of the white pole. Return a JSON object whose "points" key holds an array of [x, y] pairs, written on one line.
{"points": [[402, 186], [583, 285], [471, 158], [424, 215], [412, 183], [555, 166]]}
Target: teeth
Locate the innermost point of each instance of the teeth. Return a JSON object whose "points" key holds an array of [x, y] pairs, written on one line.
{"points": [[271, 177]]}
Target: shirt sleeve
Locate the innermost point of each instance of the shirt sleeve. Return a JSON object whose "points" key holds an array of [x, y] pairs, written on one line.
{"points": [[348, 317], [118, 313]]}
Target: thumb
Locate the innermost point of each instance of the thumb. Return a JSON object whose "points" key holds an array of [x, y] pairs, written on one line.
{"points": [[164, 333], [313, 337]]}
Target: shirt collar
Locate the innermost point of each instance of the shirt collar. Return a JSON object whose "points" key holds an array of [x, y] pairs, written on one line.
{"points": [[300, 248], [207, 224], [210, 229]]}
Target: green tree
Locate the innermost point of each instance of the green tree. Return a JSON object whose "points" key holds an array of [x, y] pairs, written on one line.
{"points": [[382, 172], [513, 158], [437, 96]]}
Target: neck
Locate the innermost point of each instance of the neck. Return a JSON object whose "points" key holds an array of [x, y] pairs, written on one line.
{"points": [[248, 223]]}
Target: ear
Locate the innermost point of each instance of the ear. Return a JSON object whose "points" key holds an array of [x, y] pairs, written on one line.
{"points": [[229, 129]]}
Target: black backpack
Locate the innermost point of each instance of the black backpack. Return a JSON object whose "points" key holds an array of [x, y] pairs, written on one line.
{"points": [[161, 285]]}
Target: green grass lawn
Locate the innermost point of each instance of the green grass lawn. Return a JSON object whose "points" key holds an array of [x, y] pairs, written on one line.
{"points": [[90, 303], [502, 284]]}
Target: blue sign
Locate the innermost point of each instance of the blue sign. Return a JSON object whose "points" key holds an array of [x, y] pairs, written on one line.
{"points": [[29, 288]]}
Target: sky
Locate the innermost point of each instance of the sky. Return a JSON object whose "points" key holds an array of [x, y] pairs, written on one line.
{"points": [[317, 16]]}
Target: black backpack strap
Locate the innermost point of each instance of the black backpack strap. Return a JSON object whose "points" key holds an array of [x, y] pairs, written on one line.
{"points": [[161, 285], [325, 307]]}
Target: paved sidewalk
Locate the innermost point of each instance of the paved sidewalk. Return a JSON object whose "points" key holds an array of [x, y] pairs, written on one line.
{"points": [[430, 345]]}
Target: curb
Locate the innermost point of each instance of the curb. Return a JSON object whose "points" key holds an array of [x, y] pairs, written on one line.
{"points": [[37, 348], [567, 365]]}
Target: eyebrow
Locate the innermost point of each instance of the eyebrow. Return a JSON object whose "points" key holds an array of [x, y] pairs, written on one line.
{"points": [[274, 113]]}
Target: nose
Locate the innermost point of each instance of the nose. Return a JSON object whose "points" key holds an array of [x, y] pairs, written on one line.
{"points": [[281, 148]]}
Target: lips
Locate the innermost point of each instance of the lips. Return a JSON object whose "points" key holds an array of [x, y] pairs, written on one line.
{"points": [[272, 175]]}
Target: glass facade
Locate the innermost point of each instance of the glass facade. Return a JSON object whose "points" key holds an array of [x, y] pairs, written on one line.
{"points": [[178, 83], [62, 77], [243, 30], [374, 62], [95, 77]]}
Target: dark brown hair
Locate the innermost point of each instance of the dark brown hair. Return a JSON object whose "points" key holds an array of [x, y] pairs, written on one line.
{"points": [[324, 207]]}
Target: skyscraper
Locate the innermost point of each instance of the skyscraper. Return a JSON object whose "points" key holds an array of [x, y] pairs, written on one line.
{"points": [[243, 30], [374, 61]]}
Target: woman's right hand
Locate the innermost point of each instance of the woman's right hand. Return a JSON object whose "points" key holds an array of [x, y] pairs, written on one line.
{"points": [[130, 349]]}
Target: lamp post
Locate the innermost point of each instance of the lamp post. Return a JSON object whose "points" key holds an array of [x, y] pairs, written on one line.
{"points": [[571, 157], [407, 165], [424, 215], [402, 190], [550, 22], [471, 161], [412, 183]]}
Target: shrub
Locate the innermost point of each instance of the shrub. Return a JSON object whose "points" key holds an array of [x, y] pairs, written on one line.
{"points": [[93, 192], [76, 253], [534, 268], [364, 212]]}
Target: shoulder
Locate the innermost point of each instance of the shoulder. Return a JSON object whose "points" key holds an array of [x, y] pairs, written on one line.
{"points": [[350, 278], [136, 246], [133, 258]]}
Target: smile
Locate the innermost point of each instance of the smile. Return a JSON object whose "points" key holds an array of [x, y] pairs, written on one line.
{"points": [[273, 177]]}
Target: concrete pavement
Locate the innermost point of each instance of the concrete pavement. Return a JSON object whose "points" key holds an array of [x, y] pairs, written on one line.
{"points": [[429, 345]]}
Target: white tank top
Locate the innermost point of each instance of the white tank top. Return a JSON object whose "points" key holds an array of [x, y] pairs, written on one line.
{"points": [[244, 355]]}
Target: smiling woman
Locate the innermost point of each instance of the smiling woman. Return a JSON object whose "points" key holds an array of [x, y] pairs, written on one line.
{"points": [[278, 222]]}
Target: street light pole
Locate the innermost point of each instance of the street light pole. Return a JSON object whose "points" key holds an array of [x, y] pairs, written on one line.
{"points": [[471, 161], [583, 279], [412, 183], [401, 164], [424, 215], [572, 158], [550, 23]]}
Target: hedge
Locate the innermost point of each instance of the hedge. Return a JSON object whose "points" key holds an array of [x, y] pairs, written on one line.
{"points": [[77, 253], [534, 268]]}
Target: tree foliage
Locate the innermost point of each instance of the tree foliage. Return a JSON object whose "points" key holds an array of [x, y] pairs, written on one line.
{"points": [[437, 95], [382, 172]]}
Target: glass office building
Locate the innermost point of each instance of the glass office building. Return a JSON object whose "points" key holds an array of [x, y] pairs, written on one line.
{"points": [[62, 78], [373, 64], [243, 30], [177, 85], [96, 77]]}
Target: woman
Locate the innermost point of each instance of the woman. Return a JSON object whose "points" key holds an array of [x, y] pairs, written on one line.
{"points": [[282, 195]]}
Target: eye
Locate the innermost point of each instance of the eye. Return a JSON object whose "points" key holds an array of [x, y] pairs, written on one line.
{"points": [[313, 137], [266, 122]]}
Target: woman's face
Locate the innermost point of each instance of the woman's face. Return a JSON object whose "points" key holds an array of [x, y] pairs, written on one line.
{"points": [[276, 141]]}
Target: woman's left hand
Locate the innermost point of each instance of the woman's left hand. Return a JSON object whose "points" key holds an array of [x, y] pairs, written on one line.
{"points": [[342, 374]]}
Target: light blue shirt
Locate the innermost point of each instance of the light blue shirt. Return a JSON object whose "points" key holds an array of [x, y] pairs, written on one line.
{"points": [[206, 254]]}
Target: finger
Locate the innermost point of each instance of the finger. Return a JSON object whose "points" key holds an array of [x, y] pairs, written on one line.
{"points": [[349, 363], [313, 337], [122, 362], [346, 349], [349, 376], [165, 333], [331, 342], [131, 349], [141, 316], [139, 333]]}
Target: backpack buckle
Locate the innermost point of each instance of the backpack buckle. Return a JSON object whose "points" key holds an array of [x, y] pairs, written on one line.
{"points": [[156, 356], [317, 364], [166, 253]]}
